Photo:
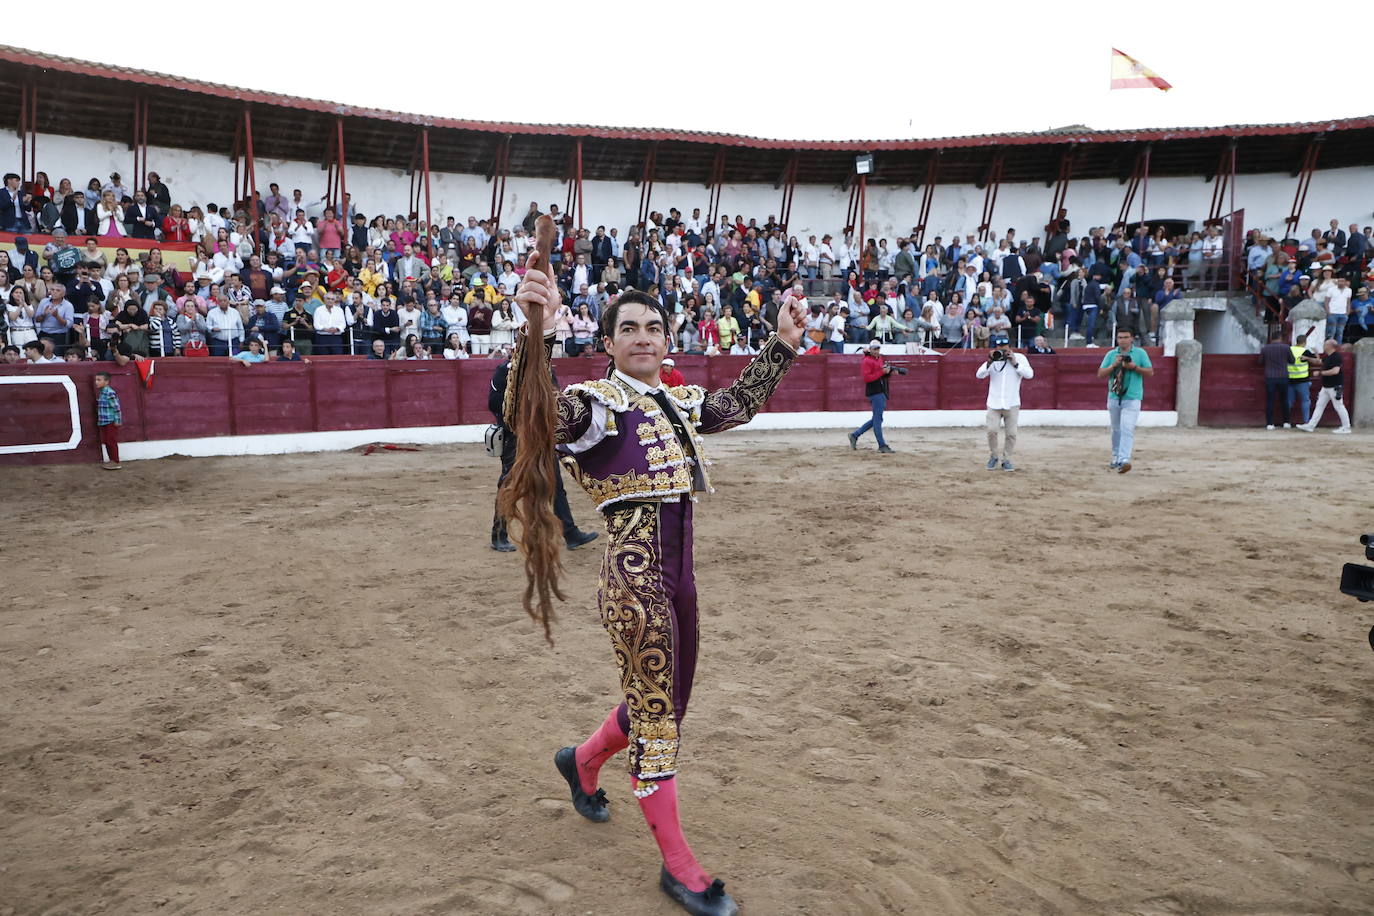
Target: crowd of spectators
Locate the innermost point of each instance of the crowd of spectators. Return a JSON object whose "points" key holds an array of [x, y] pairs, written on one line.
{"points": [[299, 278]]}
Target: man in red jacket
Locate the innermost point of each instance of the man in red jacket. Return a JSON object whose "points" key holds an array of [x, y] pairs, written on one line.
{"points": [[875, 373], [671, 377]]}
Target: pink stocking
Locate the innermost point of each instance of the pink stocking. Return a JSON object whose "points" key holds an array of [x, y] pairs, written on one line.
{"points": [[608, 741], [658, 801]]}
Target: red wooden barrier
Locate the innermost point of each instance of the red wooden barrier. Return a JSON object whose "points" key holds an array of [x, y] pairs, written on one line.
{"points": [[221, 397], [1233, 391]]}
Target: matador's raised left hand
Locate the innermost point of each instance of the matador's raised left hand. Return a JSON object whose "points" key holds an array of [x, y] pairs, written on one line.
{"points": [[792, 320]]}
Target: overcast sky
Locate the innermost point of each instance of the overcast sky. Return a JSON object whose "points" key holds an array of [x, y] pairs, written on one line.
{"points": [[789, 70]]}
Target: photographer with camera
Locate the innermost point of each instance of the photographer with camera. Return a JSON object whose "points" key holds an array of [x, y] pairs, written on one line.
{"points": [[875, 374], [1004, 370], [1126, 367]]}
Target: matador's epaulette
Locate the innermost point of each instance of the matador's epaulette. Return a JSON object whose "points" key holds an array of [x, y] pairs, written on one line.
{"points": [[604, 391]]}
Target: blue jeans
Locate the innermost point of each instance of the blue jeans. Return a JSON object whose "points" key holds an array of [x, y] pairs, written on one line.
{"points": [[1302, 393], [1090, 324], [1125, 415], [1335, 327], [837, 346], [875, 422]]}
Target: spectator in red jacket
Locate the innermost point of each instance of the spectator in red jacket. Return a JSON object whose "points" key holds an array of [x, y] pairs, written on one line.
{"points": [[874, 373], [670, 375]]}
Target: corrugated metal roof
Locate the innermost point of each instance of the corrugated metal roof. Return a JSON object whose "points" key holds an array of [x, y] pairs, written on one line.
{"points": [[1075, 134]]}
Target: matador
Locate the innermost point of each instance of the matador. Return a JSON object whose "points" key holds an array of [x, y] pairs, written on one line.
{"points": [[635, 445]]}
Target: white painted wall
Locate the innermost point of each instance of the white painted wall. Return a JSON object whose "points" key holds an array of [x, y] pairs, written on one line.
{"points": [[204, 177]]}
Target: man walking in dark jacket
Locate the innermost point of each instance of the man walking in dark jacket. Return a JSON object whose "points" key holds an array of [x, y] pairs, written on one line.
{"points": [[1275, 356]]}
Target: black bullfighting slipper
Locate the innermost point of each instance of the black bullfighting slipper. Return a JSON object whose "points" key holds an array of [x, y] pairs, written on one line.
{"points": [[578, 538], [711, 902], [592, 807]]}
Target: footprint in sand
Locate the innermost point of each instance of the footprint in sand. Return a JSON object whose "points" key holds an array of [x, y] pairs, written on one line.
{"points": [[379, 774], [418, 770], [345, 720], [194, 736], [259, 722]]}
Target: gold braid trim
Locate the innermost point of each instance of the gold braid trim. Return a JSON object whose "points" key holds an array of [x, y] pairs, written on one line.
{"points": [[604, 391], [687, 397]]}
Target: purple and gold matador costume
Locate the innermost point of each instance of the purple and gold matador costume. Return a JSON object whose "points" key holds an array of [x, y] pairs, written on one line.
{"points": [[631, 459]]}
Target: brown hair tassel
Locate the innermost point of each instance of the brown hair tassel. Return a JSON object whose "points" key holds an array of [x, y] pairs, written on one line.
{"points": [[528, 494]]}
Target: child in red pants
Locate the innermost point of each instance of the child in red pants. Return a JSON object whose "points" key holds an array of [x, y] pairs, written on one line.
{"points": [[108, 418]]}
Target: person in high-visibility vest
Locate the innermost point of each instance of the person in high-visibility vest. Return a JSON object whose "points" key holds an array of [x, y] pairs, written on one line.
{"points": [[1299, 377]]}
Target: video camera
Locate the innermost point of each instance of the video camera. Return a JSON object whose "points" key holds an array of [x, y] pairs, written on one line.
{"points": [[1357, 580]]}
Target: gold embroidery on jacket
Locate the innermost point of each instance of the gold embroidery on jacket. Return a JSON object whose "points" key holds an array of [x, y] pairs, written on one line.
{"points": [[634, 611]]}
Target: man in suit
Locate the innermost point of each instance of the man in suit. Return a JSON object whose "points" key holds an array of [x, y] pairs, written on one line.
{"points": [[601, 252], [141, 218], [14, 205], [1335, 238]]}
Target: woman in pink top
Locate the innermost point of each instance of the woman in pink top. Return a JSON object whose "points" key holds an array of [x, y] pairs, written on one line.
{"points": [[330, 234], [402, 235]]}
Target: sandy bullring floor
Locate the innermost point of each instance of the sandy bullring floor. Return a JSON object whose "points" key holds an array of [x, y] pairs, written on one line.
{"points": [[303, 685]]}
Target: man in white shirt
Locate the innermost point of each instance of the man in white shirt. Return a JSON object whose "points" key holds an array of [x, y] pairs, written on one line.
{"points": [[330, 322], [838, 323], [455, 317], [213, 221], [581, 273], [226, 327], [1211, 255], [710, 288], [1337, 300], [1004, 370], [810, 257], [826, 255], [301, 233], [696, 225], [410, 320]]}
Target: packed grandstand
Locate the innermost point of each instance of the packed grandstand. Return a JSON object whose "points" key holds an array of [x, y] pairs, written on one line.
{"points": [[88, 273]]}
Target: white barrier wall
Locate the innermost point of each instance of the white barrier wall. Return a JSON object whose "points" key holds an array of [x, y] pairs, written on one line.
{"points": [[891, 212]]}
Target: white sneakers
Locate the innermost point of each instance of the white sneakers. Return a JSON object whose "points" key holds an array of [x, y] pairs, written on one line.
{"points": [[1339, 431]]}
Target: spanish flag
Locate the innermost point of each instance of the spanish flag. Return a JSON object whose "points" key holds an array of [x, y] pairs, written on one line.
{"points": [[1129, 73]]}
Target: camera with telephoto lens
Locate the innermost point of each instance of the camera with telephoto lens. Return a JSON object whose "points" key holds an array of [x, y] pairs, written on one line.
{"points": [[998, 355], [900, 370], [1357, 580]]}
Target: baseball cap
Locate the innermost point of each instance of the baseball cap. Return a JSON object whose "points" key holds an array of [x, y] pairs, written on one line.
{"points": [[277, 289], [669, 362], [873, 345]]}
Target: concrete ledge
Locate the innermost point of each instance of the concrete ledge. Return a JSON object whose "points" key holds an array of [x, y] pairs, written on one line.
{"points": [[341, 440], [1362, 406]]}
